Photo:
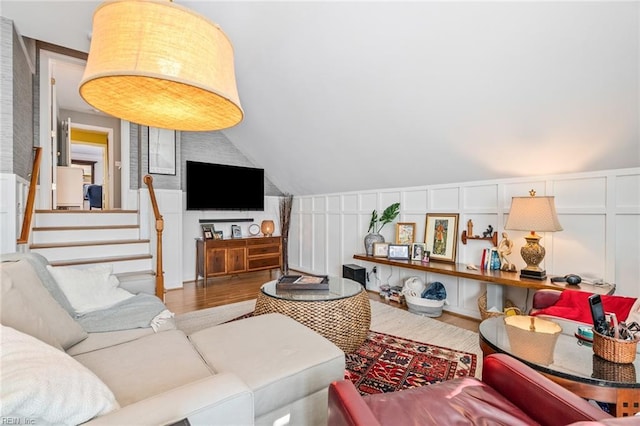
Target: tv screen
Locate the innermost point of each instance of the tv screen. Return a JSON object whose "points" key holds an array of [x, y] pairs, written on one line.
{"points": [[223, 187]]}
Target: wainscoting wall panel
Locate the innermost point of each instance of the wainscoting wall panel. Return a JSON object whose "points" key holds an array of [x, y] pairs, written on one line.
{"points": [[599, 211]]}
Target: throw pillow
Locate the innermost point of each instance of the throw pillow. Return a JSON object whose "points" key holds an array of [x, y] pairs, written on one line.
{"points": [[90, 289], [18, 313], [36, 299], [43, 383]]}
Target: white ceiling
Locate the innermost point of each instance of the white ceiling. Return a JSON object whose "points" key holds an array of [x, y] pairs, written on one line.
{"points": [[341, 96]]}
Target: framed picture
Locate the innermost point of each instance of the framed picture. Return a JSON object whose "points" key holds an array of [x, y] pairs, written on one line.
{"points": [[217, 235], [441, 236], [162, 151], [399, 251], [236, 232], [207, 232], [380, 249], [418, 251], [405, 233]]}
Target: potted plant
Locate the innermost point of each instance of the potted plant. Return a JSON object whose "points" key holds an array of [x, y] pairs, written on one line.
{"points": [[377, 223]]}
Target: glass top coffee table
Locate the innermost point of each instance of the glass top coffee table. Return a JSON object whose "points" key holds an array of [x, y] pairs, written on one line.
{"points": [[342, 313], [575, 367]]}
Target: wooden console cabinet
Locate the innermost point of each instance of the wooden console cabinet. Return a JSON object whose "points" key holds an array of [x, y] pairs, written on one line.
{"points": [[215, 258]]}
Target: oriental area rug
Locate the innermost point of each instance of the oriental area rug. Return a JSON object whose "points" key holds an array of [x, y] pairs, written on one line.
{"points": [[386, 363], [402, 350]]}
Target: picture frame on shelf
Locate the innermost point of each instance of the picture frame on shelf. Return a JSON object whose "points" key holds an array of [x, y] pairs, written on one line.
{"points": [[418, 250], [380, 249], [162, 151], [207, 232], [441, 236], [405, 232], [399, 251], [236, 232], [217, 235]]}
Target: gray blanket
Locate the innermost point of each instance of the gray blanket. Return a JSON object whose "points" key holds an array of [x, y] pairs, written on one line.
{"points": [[135, 312]]}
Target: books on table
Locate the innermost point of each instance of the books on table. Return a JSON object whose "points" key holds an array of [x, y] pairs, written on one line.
{"points": [[303, 282]]}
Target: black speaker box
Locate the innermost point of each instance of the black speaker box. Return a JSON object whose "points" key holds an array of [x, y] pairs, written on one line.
{"points": [[356, 273]]}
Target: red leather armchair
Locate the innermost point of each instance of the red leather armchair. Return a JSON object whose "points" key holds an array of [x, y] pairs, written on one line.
{"points": [[510, 393]]}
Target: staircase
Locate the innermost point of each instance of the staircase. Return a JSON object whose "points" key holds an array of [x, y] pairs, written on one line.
{"points": [[86, 238]]}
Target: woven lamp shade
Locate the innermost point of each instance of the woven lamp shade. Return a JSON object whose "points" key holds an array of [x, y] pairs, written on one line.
{"points": [[158, 64]]}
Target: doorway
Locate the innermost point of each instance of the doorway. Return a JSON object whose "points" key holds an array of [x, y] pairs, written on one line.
{"points": [[60, 72]]}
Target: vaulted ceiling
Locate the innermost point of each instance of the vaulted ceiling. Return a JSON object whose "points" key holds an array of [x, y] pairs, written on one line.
{"points": [[344, 96]]}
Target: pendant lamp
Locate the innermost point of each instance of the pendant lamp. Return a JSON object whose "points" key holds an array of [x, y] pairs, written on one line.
{"points": [[159, 64]]}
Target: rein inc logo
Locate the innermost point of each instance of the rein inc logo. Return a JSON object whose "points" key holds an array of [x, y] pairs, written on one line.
{"points": [[17, 420]]}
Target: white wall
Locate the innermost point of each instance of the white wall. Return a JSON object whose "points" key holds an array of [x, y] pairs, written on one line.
{"points": [[599, 211]]}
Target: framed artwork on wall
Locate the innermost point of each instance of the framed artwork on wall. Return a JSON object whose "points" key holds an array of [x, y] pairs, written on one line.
{"points": [[162, 151], [405, 233], [441, 236]]}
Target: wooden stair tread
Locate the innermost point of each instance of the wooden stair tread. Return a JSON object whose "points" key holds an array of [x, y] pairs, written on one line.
{"points": [[86, 211], [87, 243], [84, 227], [71, 262]]}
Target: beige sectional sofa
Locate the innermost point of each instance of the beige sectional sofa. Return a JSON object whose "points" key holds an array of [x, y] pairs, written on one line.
{"points": [[266, 369]]}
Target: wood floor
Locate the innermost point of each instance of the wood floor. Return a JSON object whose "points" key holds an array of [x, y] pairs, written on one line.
{"points": [[225, 290]]}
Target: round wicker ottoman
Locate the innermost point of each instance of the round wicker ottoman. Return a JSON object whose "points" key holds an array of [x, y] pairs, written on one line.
{"points": [[342, 314]]}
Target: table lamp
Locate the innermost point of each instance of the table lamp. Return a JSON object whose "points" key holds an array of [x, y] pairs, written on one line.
{"points": [[267, 227], [533, 214]]}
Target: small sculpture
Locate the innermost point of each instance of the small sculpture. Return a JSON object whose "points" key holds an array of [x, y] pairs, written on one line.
{"points": [[470, 228], [504, 250], [488, 233]]}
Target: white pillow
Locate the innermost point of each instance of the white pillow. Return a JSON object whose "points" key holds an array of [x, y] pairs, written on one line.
{"points": [[44, 383], [89, 289]]}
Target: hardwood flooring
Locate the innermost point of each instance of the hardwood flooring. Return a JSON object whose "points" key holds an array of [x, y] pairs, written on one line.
{"points": [[237, 288]]}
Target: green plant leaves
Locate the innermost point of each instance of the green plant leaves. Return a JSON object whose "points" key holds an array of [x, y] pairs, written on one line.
{"points": [[388, 215]]}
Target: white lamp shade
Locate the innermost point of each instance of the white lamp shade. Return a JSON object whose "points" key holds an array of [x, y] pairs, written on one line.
{"points": [[533, 214], [155, 63]]}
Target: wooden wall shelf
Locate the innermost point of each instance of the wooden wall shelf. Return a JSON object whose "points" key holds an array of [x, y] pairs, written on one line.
{"points": [[493, 238], [492, 276]]}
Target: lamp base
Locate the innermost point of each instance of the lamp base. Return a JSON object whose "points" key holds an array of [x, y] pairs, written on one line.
{"points": [[533, 275]]}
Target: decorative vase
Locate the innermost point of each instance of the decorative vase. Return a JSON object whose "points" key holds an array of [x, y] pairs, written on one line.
{"points": [[371, 238]]}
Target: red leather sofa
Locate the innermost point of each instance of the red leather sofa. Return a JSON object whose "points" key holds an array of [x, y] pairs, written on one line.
{"points": [[510, 393]]}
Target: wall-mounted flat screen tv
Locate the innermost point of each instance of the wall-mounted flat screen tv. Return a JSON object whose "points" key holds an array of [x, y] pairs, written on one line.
{"points": [[223, 187]]}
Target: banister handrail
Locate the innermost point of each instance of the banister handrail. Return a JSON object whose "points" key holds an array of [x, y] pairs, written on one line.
{"points": [[31, 197], [148, 180]]}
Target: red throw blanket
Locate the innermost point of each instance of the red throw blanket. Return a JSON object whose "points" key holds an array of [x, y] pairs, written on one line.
{"points": [[574, 305]]}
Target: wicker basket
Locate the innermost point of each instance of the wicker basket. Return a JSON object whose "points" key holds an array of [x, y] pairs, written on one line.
{"points": [[482, 306], [614, 350]]}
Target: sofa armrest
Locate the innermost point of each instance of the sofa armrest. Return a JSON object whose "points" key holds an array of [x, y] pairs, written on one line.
{"points": [[540, 398], [347, 407], [221, 399]]}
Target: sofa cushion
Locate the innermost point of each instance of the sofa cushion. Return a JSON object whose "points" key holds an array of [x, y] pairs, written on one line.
{"points": [[90, 289], [466, 398], [147, 366], [45, 384], [39, 301], [280, 359]]}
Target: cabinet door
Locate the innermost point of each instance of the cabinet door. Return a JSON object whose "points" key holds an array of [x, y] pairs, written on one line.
{"points": [[236, 260], [216, 261]]}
